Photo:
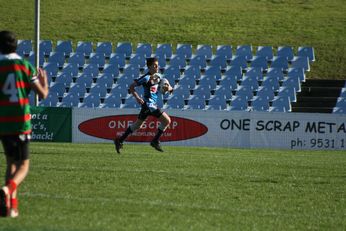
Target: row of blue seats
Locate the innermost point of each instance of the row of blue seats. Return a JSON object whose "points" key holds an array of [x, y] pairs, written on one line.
{"points": [[165, 49]]}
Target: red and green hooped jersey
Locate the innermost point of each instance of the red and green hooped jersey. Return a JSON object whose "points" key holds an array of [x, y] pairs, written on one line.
{"points": [[16, 75]]}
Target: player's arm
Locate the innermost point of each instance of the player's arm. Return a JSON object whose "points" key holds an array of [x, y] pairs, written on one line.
{"points": [[40, 83], [133, 91]]}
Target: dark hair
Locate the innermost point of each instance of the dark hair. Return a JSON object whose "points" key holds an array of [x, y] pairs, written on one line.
{"points": [[151, 60], [8, 42]]}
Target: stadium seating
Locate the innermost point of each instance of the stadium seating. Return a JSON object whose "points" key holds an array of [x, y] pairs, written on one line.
{"points": [[239, 103], [24, 47], [85, 48], [105, 48], [217, 78], [32, 59]]}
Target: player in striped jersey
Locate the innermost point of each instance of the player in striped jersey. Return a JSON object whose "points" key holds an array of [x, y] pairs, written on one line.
{"points": [[17, 78]]}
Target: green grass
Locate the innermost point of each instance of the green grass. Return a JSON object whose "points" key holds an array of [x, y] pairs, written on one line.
{"points": [[89, 187], [317, 23]]}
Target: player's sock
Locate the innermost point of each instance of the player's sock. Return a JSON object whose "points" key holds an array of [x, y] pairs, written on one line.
{"points": [[12, 186], [14, 208], [125, 135], [157, 136]]}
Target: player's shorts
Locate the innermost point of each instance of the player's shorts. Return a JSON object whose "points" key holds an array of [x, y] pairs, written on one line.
{"points": [[16, 146], [146, 111]]}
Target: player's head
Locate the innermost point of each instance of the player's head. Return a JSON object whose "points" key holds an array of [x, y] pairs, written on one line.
{"points": [[153, 65], [8, 42]]}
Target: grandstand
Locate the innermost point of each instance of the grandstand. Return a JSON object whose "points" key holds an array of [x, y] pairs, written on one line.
{"points": [[96, 72]]}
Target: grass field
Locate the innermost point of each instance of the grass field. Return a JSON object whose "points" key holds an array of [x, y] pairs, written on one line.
{"points": [[89, 187], [316, 23]]}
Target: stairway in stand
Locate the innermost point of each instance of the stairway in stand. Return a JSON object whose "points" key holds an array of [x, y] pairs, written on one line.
{"points": [[318, 96]]}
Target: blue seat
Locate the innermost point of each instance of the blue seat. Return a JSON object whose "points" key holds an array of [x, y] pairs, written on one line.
{"points": [[98, 89], [118, 59], [217, 103], [343, 92], [64, 46], [219, 61], [288, 91], [172, 73], [144, 49], [124, 48], [46, 47], [223, 92], [182, 90], [85, 79], [165, 50], [138, 60], [307, 52], [32, 59], [125, 80], [195, 102], [188, 81], [285, 51], [259, 62], [70, 69], [130, 103], [213, 72], [224, 50], [77, 58], [91, 69], [266, 91], [78, 90], [251, 82], [111, 69], [239, 61], [24, 47], [238, 103], [275, 72], [198, 61], [292, 82], [245, 51], [341, 102], [259, 103], [91, 101], [175, 101], [229, 82], [178, 60], [266, 52], [85, 48], [120, 91], [70, 100], [97, 58], [296, 72], [208, 81], [254, 72], [51, 69], [234, 72], [184, 50], [112, 101], [271, 82], [244, 91], [58, 88], [202, 91], [283, 103], [105, 48], [301, 62], [52, 100], [106, 79], [205, 50], [339, 110], [192, 71], [280, 62], [277, 109], [65, 78], [57, 57], [132, 70]]}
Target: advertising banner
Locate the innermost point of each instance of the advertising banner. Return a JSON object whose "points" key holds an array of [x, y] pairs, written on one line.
{"points": [[217, 128], [51, 124]]}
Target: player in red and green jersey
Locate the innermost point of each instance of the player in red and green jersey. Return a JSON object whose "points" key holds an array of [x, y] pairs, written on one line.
{"points": [[17, 78]]}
